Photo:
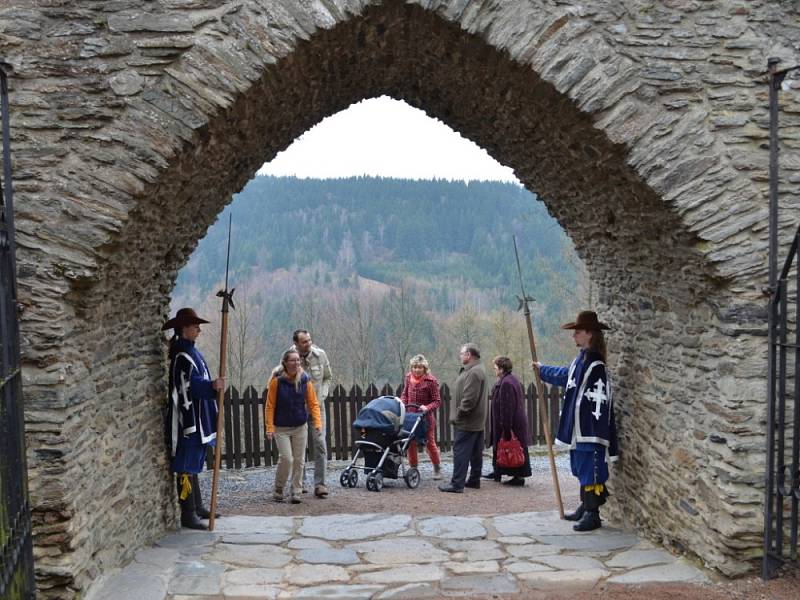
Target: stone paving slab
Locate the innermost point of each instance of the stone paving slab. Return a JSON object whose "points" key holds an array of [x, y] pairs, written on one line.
{"points": [[334, 556], [135, 582], [675, 571], [570, 562], [250, 556], [412, 591], [563, 579], [404, 574], [256, 538], [158, 557], [393, 551], [318, 574], [635, 558], [343, 592], [382, 556], [252, 525], [593, 541], [353, 527], [458, 528], [481, 566], [186, 538], [480, 584], [195, 585]]}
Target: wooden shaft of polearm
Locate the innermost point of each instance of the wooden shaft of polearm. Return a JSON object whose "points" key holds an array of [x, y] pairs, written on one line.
{"points": [[543, 414], [223, 346]]}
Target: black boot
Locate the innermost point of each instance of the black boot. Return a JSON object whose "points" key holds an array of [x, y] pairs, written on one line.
{"points": [[591, 517], [589, 521], [201, 510], [576, 516], [189, 518]]}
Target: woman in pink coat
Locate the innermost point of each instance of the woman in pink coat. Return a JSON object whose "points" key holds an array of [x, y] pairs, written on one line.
{"points": [[422, 388]]}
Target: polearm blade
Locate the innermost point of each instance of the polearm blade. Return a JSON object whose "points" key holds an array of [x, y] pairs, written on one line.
{"points": [[523, 305], [227, 302]]}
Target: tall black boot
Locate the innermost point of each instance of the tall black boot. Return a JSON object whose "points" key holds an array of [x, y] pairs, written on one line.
{"points": [[578, 513], [201, 510], [591, 517], [189, 518]]}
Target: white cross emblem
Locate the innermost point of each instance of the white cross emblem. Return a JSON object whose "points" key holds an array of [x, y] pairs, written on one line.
{"points": [[598, 396], [571, 384], [187, 404]]}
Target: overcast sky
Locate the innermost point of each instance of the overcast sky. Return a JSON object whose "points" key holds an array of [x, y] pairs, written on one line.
{"points": [[387, 137]]}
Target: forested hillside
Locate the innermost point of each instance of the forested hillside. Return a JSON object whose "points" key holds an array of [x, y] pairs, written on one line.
{"points": [[380, 269]]}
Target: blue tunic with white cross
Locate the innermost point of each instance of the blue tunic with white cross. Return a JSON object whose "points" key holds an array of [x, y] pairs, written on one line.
{"points": [[586, 423], [192, 414]]}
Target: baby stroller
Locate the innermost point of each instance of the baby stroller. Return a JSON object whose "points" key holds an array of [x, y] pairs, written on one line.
{"points": [[383, 432]]}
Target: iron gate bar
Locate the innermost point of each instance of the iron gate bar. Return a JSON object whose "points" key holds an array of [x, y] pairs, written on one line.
{"points": [[796, 421], [776, 491], [16, 575]]}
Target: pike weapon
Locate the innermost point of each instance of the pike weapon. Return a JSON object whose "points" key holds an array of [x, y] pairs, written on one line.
{"points": [[227, 301], [523, 305]]}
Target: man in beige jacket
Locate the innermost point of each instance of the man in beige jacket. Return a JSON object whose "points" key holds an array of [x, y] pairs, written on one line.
{"points": [[315, 362], [468, 416]]}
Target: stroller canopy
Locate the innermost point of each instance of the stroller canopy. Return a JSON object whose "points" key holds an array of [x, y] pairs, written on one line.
{"points": [[385, 413]]}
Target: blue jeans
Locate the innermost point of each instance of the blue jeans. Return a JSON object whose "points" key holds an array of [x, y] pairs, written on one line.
{"points": [[467, 452]]}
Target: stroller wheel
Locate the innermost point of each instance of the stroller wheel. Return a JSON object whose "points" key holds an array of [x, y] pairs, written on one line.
{"points": [[353, 478], [344, 478], [375, 482], [412, 477]]}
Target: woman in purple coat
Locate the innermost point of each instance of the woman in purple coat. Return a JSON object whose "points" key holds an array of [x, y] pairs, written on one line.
{"points": [[508, 415]]}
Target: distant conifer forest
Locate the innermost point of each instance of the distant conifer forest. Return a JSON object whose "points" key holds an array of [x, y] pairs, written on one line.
{"points": [[379, 269]]}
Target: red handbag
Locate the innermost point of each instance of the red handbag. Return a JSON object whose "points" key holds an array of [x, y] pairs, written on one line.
{"points": [[510, 453]]}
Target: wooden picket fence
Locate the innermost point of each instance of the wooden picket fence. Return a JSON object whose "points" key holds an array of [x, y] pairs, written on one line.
{"points": [[245, 443]]}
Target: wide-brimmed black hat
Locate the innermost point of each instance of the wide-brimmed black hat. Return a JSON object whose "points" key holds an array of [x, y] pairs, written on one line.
{"points": [[184, 317], [587, 320]]}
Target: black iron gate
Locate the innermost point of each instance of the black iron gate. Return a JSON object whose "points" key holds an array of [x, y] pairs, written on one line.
{"points": [[782, 481], [16, 566]]}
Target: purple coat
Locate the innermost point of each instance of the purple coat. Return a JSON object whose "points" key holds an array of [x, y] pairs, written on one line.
{"points": [[508, 410]]}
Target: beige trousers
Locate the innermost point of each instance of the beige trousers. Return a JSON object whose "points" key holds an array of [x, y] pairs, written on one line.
{"points": [[291, 442]]}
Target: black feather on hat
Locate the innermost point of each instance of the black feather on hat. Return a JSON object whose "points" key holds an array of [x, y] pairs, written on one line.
{"points": [[184, 317]]}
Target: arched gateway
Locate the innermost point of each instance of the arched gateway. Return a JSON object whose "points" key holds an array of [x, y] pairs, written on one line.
{"points": [[639, 124]]}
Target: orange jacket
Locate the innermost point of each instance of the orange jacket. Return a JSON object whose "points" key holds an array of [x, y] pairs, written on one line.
{"points": [[271, 400]]}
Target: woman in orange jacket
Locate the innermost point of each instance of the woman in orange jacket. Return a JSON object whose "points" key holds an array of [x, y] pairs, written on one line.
{"points": [[291, 401]]}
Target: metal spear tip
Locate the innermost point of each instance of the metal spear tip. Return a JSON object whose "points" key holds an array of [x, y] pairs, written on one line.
{"points": [[227, 296], [524, 301]]}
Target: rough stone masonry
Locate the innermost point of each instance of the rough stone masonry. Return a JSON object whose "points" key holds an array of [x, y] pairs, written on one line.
{"points": [[641, 124]]}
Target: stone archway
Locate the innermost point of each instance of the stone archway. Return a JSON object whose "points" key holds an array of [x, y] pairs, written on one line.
{"points": [[134, 127]]}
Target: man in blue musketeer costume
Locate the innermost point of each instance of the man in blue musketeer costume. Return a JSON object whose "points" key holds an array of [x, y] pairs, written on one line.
{"points": [[586, 424], [191, 424]]}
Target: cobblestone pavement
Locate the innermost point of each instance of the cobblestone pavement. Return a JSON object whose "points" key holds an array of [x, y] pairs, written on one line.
{"points": [[380, 556]]}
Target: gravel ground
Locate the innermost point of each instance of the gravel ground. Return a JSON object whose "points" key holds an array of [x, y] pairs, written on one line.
{"points": [[249, 492]]}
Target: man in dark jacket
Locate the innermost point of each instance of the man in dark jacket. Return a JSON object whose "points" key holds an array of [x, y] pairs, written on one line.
{"points": [[468, 416]]}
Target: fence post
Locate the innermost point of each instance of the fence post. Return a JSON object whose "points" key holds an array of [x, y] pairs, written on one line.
{"points": [[248, 431], [445, 441], [530, 406], [256, 430], [555, 399]]}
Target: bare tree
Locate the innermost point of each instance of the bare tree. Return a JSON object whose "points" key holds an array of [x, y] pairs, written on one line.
{"points": [[405, 325], [244, 342], [353, 325]]}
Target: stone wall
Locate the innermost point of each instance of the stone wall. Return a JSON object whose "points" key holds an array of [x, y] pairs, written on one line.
{"points": [[641, 124]]}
